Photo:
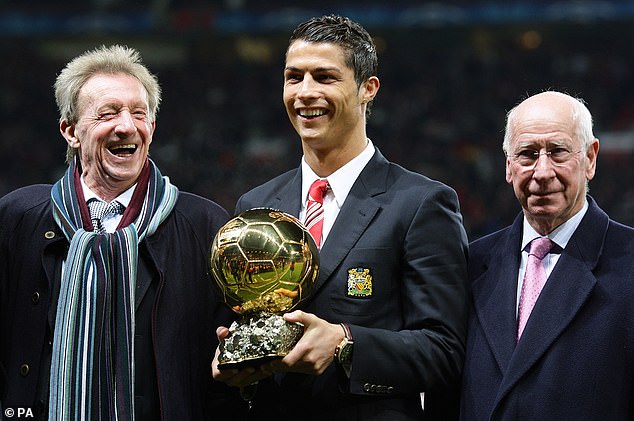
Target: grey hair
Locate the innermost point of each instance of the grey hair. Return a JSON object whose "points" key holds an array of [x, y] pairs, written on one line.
{"points": [[115, 59]]}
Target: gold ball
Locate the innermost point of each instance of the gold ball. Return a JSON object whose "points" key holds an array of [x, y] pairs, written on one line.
{"points": [[264, 260]]}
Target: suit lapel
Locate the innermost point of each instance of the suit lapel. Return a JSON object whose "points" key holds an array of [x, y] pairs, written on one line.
{"points": [[353, 220], [288, 198], [355, 216], [567, 289], [495, 293]]}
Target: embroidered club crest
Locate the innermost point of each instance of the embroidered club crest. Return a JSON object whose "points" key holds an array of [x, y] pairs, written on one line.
{"points": [[359, 282]]}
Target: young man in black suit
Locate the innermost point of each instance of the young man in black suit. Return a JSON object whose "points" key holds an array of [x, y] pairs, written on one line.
{"points": [[386, 322]]}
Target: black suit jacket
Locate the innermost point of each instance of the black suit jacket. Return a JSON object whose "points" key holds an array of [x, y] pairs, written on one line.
{"points": [[409, 333], [575, 360]]}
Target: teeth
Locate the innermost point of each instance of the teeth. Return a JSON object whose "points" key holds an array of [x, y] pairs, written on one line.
{"points": [[312, 113], [115, 147], [123, 149]]}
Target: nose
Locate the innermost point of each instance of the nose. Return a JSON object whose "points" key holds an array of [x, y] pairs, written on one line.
{"points": [[125, 124], [543, 166], [308, 87]]}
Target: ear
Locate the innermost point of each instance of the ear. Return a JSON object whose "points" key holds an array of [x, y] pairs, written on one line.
{"points": [[152, 128], [369, 89], [68, 131], [591, 159], [509, 174]]}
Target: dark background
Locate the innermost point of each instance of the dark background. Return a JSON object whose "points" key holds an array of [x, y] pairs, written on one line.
{"points": [[449, 73]]}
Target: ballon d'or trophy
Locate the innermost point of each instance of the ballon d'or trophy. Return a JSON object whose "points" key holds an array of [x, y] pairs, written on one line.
{"points": [[264, 262]]}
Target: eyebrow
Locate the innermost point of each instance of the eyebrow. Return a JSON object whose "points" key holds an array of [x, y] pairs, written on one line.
{"points": [[551, 141], [318, 69]]}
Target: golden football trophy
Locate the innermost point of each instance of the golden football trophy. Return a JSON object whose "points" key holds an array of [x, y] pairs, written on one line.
{"points": [[264, 262]]}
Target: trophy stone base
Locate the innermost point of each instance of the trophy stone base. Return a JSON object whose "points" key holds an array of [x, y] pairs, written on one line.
{"points": [[256, 339]]}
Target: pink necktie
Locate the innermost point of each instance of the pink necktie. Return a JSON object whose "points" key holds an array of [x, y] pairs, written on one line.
{"points": [[314, 210], [534, 280]]}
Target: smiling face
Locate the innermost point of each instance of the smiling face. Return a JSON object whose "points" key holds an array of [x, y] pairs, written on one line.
{"points": [[549, 194], [323, 101], [113, 132]]}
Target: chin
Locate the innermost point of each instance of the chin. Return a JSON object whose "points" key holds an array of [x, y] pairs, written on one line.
{"points": [[311, 138], [126, 175], [545, 210]]}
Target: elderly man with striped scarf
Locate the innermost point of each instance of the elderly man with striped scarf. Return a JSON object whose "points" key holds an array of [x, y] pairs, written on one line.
{"points": [[106, 308]]}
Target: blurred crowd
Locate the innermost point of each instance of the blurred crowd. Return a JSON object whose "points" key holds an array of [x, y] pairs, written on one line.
{"points": [[222, 128]]}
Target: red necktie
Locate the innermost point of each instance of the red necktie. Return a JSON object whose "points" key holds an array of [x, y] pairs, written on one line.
{"points": [[314, 210], [534, 280]]}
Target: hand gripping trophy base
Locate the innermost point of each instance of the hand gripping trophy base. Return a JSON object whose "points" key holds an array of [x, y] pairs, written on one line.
{"points": [[256, 339]]}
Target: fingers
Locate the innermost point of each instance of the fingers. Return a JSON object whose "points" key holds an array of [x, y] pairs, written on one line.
{"points": [[299, 316], [239, 377], [222, 332], [314, 352]]}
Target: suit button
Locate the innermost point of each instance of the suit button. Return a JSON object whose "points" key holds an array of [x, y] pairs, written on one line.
{"points": [[49, 235], [390, 389], [24, 370], [35, 297], [366, 387]]}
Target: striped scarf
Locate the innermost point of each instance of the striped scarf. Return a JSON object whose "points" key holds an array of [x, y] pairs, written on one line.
{"points": [[92, 369]]}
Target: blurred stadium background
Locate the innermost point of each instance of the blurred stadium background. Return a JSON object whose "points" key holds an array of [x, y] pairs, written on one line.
{"points": [[449, 70]]}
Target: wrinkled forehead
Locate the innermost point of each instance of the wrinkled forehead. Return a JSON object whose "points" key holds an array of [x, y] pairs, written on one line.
{"points": [[107, 88], [544, 118]]}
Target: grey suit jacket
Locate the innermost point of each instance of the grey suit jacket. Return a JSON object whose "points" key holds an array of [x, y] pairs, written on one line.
{"points": [[575, 360], [406, 231]]}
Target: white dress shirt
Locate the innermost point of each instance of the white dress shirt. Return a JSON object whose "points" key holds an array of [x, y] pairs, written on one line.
{"points": [[340, 182]]}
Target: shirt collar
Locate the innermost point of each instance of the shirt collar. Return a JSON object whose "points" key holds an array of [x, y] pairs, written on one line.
{"points": [[560, 235], [340, 181], [124, 198]]}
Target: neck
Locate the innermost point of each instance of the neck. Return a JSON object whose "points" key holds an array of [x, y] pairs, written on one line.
{"points": [[108, 194], [324, 162], [543, 226], [105, 187]]}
